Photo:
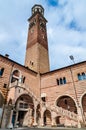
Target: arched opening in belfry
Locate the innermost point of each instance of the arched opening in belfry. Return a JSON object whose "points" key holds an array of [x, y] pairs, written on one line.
{"points": [[47, 117], [67, 103], [84, 105], [24, 113], [15, 76], [38, 117], [1, 105]]}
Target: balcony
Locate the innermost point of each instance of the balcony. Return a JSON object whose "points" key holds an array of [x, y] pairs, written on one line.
{"points": [[16, 83]]}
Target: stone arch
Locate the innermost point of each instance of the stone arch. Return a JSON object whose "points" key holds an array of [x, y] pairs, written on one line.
{"points": [[66, 95], [26, 98], [67, 102], [80, 101], [47, 117], [24, 106], [23, 91], [83, 102]]}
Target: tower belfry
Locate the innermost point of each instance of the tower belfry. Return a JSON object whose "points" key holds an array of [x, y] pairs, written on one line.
{"points": [[37, 57]]}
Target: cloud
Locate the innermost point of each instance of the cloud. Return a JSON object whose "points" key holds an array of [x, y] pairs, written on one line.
{"points": [[67, 33], [66, 29]]}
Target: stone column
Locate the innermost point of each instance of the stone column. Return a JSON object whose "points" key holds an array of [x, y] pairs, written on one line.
{"points": [[83, 115], [43, 109], [80, 116], [28, 118], [35, 114], [35, 123], [42, 119], [53, 119], [6, 116], [10, 125], [16, 119]]}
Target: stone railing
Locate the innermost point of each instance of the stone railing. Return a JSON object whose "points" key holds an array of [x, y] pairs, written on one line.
{"points": [[16, 83], [65, 112], [61, 111], [56, 109]]}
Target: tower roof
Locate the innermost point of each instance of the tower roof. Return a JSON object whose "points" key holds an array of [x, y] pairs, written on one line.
{"points": [[37, 8]]}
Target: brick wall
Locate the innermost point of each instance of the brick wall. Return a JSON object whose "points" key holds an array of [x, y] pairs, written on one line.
{"points": [[4, 79], [31, 78], [39, 56], [54, 91]]}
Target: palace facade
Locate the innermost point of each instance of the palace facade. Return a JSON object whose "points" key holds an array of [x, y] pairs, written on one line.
{"points": [[32, 95]]}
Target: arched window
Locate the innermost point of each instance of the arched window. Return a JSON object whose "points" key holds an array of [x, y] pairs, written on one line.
{"points": [[57, 82], [64, 80], [23, 79], [83, 76], [1, 71], [15, 76], [61, 82], [79, 77]]}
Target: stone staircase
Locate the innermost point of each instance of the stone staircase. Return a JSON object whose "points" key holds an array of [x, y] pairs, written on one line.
{"points": [[61, 111], [70, 119], [58, 110], [64, 112]]}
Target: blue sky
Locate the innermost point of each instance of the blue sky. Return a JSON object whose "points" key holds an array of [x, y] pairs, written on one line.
{"points": [[66, 29], [52, 2]]}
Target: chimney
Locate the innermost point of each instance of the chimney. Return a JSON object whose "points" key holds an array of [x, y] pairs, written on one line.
{"points": [[6, 55]]}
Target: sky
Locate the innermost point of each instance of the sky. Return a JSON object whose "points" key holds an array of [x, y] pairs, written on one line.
{"points": [[66, 29]]}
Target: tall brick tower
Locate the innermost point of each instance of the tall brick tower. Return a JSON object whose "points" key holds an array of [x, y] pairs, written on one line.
{"points": [[37, 57]]}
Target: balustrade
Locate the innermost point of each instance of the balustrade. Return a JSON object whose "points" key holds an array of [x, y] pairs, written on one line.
{"points": [[67, 113]]}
